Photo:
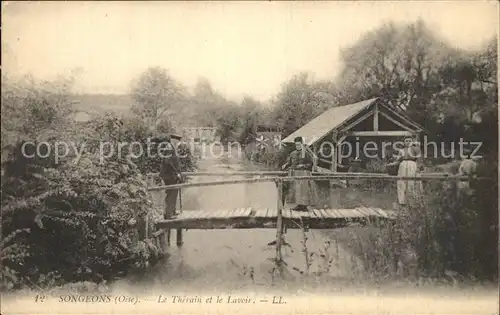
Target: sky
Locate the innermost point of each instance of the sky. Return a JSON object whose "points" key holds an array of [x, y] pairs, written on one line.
{"points": [[242, 48]]}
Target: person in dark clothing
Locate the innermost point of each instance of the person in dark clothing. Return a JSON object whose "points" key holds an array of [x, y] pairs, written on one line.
{"points": [[170, 173], [300, 163]]}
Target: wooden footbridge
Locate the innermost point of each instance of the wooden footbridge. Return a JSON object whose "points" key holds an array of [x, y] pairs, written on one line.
{"points": [[250, 218], [280, 217]]}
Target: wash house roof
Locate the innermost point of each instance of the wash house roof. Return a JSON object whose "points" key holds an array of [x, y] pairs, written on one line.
{"points": [[341, 118]]}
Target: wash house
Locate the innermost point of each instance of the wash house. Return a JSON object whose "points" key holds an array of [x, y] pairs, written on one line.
{"points": [[363, 130]]}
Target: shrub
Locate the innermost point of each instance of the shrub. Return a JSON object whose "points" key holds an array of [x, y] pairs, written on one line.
{"points": [[71, 221], [449, 232]]}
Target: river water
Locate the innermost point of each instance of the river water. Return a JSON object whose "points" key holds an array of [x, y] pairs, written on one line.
{"points": [[234, 259]]}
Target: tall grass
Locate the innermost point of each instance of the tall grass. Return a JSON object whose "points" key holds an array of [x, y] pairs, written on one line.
{"points": [[449, 233]]}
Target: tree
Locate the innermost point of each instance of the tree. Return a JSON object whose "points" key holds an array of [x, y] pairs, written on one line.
{"points": [[396, 62], [251, 116], [157, 95], [300, 100], [34, 110]]}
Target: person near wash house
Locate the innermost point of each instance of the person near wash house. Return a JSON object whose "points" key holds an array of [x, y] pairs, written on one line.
{"points": [[468, 167], [300, 163], [408, 160]]}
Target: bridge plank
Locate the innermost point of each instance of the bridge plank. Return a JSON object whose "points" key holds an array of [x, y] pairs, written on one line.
{"points": [[381, 212], [370, 212], [324, 213], [246, 212], [367, 212], [187, 214], [364, 211], [228, 213], [200, 214], [217, 213], [344, 213], [240, 212], [331, 213], [225, 214], [295, 215], [233, 213], [260, 213], [287, 213], [272, 213], [353, 213], [317, 213], [243, 212]]}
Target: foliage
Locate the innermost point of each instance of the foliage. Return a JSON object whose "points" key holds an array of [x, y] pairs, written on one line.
{"points": [[31, 109], [138, 142], [157, 95], [299, 101], [451, 232], [71, 221]]}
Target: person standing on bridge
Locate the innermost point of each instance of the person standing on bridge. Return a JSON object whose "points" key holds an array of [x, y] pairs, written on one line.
{"points": [[300, 163], [170, 173]]}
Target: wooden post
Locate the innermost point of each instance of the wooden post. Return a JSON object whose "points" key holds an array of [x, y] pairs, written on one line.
{"points": [[146, 227], [315, 157], [179, 231], [334, 162], [334, 152], [279, 224], [167, 231], [375, 118]]}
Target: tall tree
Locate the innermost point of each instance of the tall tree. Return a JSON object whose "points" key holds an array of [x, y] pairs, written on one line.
{"points": [[157, 95], [300, 100], [398, 62]]}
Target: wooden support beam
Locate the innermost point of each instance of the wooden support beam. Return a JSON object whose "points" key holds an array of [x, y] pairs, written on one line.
{"points": [[146, 227], [271, 223], [394, 121], [375, 118], [315, 158], [398, 133], [279, 224], [402, 117], [179, 239], [333, 166], [357, 121], [334, 152]]}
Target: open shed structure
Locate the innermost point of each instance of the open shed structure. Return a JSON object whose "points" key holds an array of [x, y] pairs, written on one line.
{"points": [[355, 124]]}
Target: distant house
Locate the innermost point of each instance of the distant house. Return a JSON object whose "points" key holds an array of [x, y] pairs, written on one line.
{"points": [[199, 134], [81, 116], [372, 120]]}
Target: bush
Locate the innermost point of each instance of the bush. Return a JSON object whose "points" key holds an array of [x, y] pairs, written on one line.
{"points": [[376, 166], [135, 130], [71, 222], [449, 232]]}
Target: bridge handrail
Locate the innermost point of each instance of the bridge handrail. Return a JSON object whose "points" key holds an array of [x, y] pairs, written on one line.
{"points": [[284, 173], [420, 177]]}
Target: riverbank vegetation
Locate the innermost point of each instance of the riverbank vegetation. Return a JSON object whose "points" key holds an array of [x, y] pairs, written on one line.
{"points": [[72, 203]]}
